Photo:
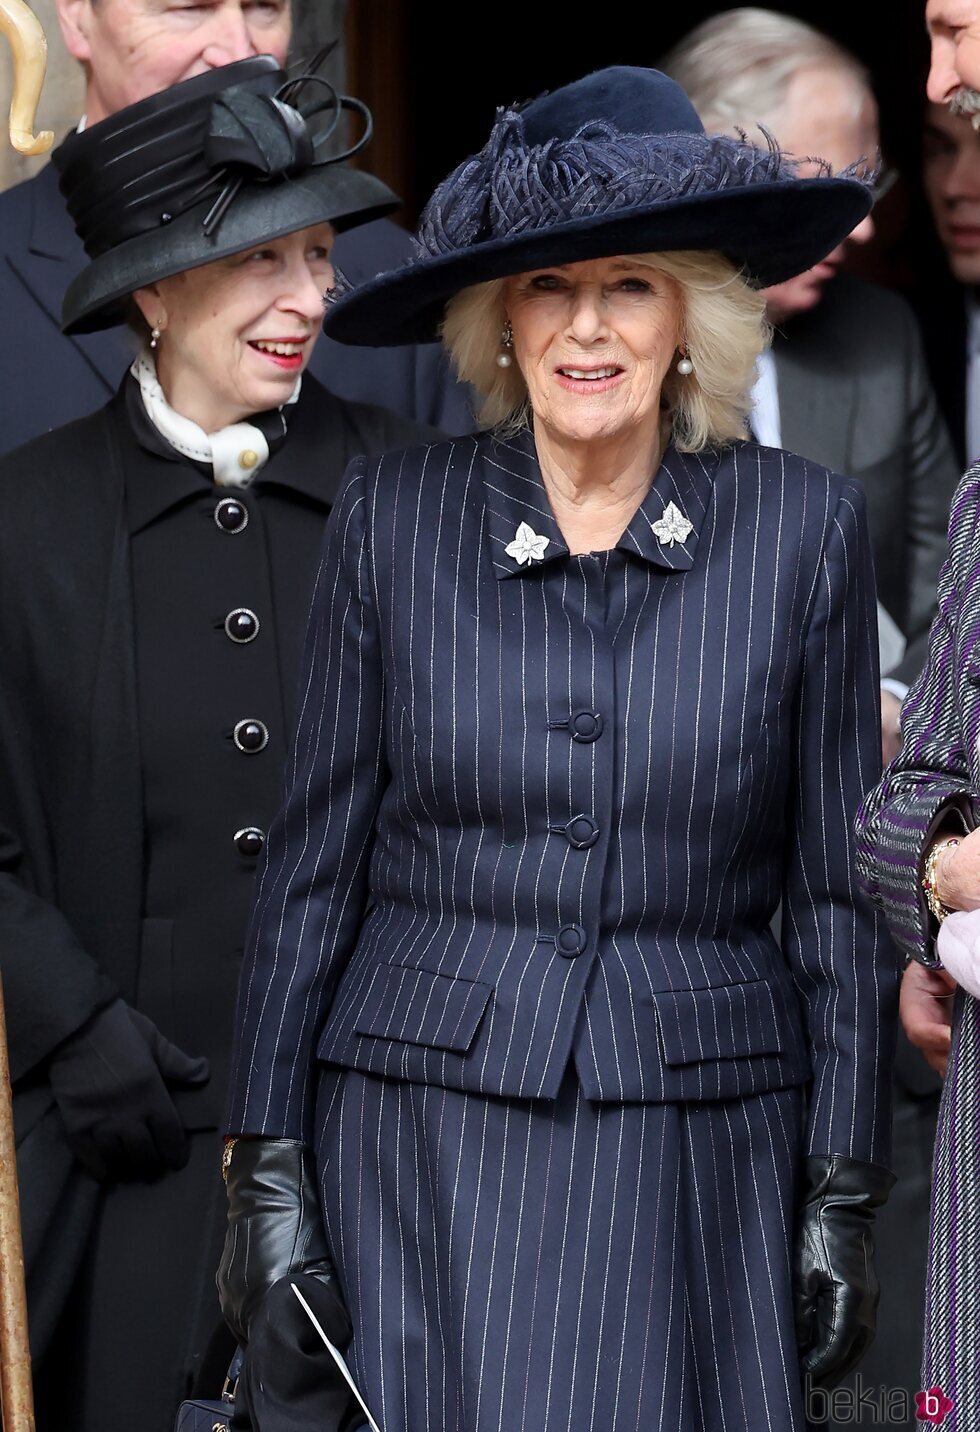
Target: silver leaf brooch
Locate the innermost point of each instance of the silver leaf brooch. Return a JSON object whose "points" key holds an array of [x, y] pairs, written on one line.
{"points": [[527, 546], [672, 527]]}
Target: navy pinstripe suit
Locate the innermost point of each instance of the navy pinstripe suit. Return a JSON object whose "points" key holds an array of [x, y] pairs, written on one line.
{"points": [[540, 817]]}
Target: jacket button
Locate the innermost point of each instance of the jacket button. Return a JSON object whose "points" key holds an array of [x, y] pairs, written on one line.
{"points": [[242, 625], [585, 725], [251, 736], [249, 841], [231, 515], [582, 832], [570, 941]]}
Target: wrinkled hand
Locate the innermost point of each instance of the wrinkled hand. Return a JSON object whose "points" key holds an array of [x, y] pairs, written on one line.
{"points": [[111, 1081], [958, 873], [926, 1010], [835, 1288], [274, 1229]]}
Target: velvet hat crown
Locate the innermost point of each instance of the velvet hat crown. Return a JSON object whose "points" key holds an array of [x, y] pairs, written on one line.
{"points": [[615, 163], [215, 165]]}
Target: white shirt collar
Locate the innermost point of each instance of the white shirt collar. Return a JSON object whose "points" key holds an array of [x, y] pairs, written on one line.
{"points": [[236, 453], [765, 416]]}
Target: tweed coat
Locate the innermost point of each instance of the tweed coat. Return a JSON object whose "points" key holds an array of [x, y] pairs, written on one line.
{"points": [[531, 825], [937, 772], [932, 784]]}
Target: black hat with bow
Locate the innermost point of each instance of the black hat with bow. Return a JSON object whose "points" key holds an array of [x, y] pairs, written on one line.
{"points": [[211, 167], [615, 163]]}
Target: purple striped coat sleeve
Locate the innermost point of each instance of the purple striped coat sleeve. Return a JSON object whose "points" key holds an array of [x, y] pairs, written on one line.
{"points": [[929, 783]]}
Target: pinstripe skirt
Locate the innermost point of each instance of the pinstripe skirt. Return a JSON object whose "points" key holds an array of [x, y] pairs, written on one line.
{"points": [[563, 1266]]}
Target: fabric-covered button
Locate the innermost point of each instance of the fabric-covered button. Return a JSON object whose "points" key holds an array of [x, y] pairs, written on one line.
{"points": [[585, 725], [582, 832], [251, 736], [570, 941], [248, 459], [242, 625], [250, 840], [231, 515]]}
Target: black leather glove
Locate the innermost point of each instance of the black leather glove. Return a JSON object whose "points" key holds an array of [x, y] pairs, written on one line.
{"points": [[836, 1290], [288, 1379], [110, 1081], [274, 1228]]}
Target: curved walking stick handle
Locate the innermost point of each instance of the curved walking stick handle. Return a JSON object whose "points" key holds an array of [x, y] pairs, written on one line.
{"points": [[30, 51]]}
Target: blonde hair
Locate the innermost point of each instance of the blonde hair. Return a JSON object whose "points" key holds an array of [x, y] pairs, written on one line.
{"points": [[724, 329]]}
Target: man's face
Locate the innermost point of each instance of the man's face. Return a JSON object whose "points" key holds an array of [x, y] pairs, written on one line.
{"points": [[951, 173], [829, 115], [135, 48], [954, 29]]}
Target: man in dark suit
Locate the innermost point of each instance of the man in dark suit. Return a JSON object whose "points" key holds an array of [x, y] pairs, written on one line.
{"points": [[130, 49], [949, 312], [846, 384]]}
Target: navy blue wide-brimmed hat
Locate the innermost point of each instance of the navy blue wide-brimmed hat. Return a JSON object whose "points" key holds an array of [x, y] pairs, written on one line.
{"points": [[616, 163], [215, 165]]}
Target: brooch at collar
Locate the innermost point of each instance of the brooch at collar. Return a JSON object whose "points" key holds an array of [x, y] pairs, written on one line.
{"points": [[672, 527], [527, 546]]}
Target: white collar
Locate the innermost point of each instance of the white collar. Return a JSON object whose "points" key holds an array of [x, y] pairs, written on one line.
{"points": [[235, 453]]}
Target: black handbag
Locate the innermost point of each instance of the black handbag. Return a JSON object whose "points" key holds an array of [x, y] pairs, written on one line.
{"points": [[198, 1414]]}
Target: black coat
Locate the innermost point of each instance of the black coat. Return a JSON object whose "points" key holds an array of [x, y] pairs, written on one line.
{"points": [[71, 819], [66, 378]]}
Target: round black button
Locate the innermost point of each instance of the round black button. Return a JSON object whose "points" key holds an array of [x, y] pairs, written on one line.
{"points": [[250, 840], [251, 736], [242, 625], [570, 941], [231, 515], [582, 832], [585, 725]]}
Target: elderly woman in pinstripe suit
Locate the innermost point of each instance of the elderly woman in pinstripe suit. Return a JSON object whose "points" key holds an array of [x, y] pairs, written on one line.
{"points": [[524, 1080]]}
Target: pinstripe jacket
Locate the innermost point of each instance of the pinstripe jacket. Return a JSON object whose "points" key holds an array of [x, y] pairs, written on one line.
{"points": [[937, 773], [545, 811]]}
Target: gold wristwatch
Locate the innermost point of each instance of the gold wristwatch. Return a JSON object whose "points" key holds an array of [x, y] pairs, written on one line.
{"points": [[936, 907], [226, 1154]]}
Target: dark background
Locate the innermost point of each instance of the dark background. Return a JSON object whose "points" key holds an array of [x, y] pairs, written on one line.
{"points": [[434, 75]]}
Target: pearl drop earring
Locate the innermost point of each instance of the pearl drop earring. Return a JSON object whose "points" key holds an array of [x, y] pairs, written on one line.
{"points": [[504, 359], [685, 367], [155, 337]]}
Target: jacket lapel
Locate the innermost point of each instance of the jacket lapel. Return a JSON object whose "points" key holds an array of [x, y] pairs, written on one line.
{"points": [[519, 514]]}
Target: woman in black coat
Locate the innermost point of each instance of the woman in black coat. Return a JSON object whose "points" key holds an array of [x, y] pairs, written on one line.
{"points": [[155, 563]]}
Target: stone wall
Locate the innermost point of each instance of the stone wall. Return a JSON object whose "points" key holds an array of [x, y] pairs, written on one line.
{"points": [[316, 22]]}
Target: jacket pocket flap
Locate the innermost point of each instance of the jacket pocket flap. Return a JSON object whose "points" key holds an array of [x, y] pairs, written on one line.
{"points": [[728, 1022], [416, 1007]]}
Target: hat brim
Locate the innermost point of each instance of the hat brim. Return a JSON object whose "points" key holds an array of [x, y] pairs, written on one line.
{"points": [[343, 197], [771, 231]]}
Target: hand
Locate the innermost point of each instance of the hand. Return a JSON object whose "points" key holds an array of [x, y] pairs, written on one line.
{"points": [[891, 729], [925, 1007], [111, 1080], [274, 1229], [958, 872], [835, 1290]]}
